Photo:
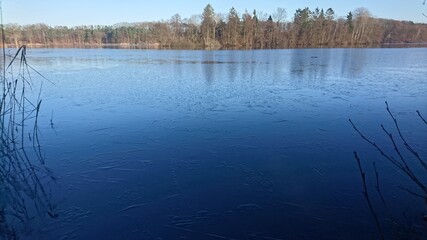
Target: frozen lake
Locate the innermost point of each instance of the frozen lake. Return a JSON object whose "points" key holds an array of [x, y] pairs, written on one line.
{"points": [[228, 144]]}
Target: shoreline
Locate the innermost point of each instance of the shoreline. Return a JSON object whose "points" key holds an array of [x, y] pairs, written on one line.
{"points": [[157, 46]]}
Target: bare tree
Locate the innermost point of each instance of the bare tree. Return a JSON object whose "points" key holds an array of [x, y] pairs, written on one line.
{"points": [[279, 16], [248, 29], [176, 22], [362, 19]]}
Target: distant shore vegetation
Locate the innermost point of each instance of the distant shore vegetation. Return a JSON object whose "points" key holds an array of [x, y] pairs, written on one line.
{"points": [[306, 28]]}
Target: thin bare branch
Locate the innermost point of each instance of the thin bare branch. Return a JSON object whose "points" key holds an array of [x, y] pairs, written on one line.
{"points": [[422, 162], [419, 114], [366, 194], [377, 186]]}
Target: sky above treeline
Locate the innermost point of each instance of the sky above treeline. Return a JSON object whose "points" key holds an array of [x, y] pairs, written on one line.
{"points": [[109, 12]]}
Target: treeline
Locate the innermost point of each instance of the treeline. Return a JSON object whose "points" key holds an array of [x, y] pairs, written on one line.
{"points": [[308, 28]]}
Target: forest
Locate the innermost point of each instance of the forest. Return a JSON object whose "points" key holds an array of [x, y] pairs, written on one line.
{"points": [[307, 28]]}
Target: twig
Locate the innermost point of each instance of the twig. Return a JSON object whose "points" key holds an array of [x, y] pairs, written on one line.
{"points": [[377, 186], [423, 163], [368, 200], [406, 168], [413, 193], [403, 167], [419, 114]]}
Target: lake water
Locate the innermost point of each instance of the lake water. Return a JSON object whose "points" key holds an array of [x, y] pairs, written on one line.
{"points": [[228, 144]]}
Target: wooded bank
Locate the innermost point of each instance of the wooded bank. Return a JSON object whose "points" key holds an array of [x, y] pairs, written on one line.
{"points": [[307, 29]]}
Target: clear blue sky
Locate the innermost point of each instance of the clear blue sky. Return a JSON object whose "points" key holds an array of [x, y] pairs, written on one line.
{"points": [[108, 12]]}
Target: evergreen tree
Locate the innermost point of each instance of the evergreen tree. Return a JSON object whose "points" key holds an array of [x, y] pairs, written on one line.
{"points": [[208, 25], [349, 22]]}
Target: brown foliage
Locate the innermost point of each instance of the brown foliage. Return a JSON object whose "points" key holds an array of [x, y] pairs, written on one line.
{"points": [[309, 28]]}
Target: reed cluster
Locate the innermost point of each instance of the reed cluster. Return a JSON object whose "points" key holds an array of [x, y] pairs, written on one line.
{"points": [[24, 177]]}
